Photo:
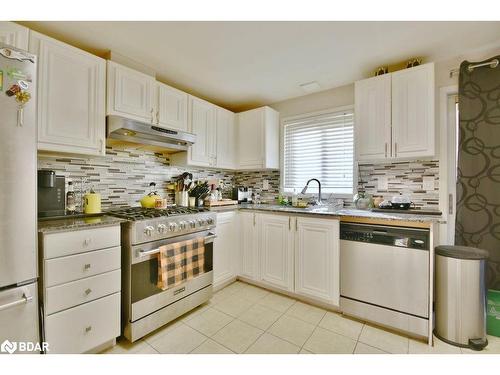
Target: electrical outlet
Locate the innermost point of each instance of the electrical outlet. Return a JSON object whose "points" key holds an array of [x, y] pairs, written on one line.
{"points": [[428, 183], [265, 185], [382, 183]]}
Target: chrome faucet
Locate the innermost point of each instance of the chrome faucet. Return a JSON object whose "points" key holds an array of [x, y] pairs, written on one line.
{"points": [[318, 202]]}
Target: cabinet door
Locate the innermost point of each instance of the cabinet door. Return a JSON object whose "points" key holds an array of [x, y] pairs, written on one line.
{"points": [[202, 123], [317, 259], [225, 247], [71, 98], [251, 139], [172, 107], [413, 112], [249, 256], [130, 93], [373, 118], [14, 35], [276, 246], [226, 139]]}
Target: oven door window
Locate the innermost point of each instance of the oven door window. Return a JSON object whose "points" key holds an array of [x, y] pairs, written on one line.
{"points": [[145, 274]]}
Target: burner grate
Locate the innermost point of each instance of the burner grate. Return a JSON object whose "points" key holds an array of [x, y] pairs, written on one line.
{"points": [[140, 213]]}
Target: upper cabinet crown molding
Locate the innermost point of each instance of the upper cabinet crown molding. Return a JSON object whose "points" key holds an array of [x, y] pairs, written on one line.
{"points": [[258, 139], [394, 115], [130, 93], [14, 35], [71, 97]]}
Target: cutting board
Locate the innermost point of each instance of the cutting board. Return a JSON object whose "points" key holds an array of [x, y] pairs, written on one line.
{"points": [[223, 202]]}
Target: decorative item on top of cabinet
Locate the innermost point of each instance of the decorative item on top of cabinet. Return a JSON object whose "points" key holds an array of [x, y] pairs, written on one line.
{"points": [[14, 35], [395, 115], [71, 97], [172, 107], [317, 259], [258, 139], [203, 153], [276, 250], [130, 93]]}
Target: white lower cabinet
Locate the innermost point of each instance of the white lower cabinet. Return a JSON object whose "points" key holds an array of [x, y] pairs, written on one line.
{"points": [[317, 259], [225, 248], [249, 251], [81, 288], [276, 250]]}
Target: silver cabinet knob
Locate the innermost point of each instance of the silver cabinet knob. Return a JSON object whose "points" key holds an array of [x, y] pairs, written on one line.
{"points": [[87, 241], [86, 266], [88, 329], [88, 291]]}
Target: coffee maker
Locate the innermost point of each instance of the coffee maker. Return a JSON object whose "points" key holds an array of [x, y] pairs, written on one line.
{"points": [[242, 194], [51, 194]]}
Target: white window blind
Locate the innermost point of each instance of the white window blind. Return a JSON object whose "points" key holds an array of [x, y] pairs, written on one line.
{"points": [[319, 146]]}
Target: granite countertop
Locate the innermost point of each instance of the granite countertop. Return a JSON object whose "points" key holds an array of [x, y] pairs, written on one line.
{"points": [[74, 223], [333, 211]]}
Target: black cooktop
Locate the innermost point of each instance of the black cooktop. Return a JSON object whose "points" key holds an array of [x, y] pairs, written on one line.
{"points": [[140, 213]]}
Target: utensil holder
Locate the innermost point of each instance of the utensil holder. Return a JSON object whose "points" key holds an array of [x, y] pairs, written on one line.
{"points": [[181, 198]]}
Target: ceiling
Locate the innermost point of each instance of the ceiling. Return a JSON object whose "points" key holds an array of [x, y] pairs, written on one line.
{"points": [[242, 65]]}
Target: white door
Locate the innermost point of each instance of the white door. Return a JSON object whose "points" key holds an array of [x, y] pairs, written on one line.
{"points": [[71, 98], [276, 246], [202, 123], [413, 112], [130, 93], [372, 118], [172, 107], [248, 239], [317, 259], [251, 139], [14, 35], [226, 139], [225, 247]]}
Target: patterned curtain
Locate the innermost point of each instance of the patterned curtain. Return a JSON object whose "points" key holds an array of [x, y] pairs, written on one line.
{"points": [[478, 178]]}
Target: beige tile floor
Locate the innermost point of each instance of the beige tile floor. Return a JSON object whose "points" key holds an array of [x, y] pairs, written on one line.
{"points": [[242, 318]]}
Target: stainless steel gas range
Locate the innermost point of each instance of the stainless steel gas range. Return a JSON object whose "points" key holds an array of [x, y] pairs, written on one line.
{"points": [[145, 306]]}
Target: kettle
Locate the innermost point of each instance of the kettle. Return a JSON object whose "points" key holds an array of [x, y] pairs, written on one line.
{"points": [[148, 201], [92, 203]]}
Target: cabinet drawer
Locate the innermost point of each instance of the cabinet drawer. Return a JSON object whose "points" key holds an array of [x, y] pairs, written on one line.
{"points": [[84, 327], [77, 292], [67, 243], [75, 267]]}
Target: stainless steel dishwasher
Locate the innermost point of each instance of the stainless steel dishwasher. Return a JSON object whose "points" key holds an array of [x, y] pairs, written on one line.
{"points": [[384, 275]]}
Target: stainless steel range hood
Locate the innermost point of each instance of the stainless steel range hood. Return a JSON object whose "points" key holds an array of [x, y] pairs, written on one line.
{"points": [[123, 130]]}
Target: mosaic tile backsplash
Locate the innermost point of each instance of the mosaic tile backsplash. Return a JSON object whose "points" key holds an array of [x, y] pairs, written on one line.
{"points": [[122, 176], [403, 177]]}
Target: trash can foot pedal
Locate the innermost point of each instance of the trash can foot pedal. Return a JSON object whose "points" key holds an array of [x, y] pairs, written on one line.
{"points": [[478, 344]]}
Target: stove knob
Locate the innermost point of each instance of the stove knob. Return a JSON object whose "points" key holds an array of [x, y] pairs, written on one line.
{"points": [[192, 223], [172, 227], [149, 230], [210, 221], [182, 225], [162, 228]]}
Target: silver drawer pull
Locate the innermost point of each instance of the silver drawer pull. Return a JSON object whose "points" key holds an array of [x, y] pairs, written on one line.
{"points": [[24, 299], [88, 329], [88, 291], [87, 241], [86, 266], [210, 238]]}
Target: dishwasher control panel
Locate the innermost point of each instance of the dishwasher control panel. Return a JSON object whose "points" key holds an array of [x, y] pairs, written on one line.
{"points": [[386, 235]]}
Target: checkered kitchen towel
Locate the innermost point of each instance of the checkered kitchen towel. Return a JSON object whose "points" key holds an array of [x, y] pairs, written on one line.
{"points": [[180, 262]]}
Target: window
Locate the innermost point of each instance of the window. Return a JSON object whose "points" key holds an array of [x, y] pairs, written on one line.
{"points": [[319, 146]]}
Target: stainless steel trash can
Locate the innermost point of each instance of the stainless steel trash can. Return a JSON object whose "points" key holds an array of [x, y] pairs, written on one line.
{"points": [[460, 296]]}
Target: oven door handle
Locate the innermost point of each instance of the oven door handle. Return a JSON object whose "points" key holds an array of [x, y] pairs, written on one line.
{"points": [[208, 239]]}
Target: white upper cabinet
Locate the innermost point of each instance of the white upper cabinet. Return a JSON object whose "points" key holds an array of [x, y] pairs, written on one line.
{"points": [[172, 107], [413, 112], [373, 118], [258, 139], [131, 93], [276, 247], [202, 124], [394, 116], [226, 139], [249, 251], [317, 272], [71, 97], [14, 35]]}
